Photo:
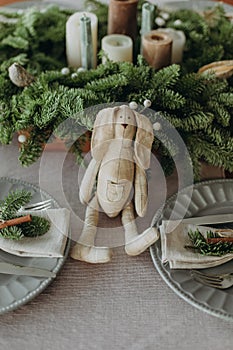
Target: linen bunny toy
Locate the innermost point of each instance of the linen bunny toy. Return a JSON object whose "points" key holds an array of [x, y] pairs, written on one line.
{"points": [[121, 148]]}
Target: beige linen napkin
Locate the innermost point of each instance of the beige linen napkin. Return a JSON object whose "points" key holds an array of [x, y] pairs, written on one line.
{"points": [[51, 244], [174, 238]]}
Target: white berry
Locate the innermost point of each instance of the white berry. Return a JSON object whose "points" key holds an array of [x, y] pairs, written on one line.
{"points": [[147, 103], [165, 15], [157, 126], [133, 105], [65, 71], [74, 75], [81, 69], [177, 22], [22, 138], [159, 21]]}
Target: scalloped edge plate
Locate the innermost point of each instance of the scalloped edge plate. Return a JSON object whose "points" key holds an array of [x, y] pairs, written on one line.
{"points": [[16, 291], [209, 197]]}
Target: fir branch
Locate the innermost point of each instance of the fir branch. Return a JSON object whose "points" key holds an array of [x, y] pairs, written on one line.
{"points": [[200, 244], [16, 42], [37, 227], [30, 151], [166, 77], [12, 232], [9, 208], [13, 202]]}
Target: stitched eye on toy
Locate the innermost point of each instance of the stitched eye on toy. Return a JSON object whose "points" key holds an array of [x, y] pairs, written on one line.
{"points": [[121, 116]]}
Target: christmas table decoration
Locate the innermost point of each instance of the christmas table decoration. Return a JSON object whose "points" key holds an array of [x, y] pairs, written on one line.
{"points": [[199, 106]]}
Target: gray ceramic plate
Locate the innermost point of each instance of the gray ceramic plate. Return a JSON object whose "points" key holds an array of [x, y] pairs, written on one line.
{"points": [[18, 290], [209, 197]]}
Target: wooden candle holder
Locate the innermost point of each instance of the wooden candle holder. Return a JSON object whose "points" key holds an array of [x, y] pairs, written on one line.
{"points": [[122, 17], [157, 49]]}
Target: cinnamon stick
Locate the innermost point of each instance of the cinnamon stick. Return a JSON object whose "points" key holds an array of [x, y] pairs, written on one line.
{"points": [[16, 221], [219, 239]]}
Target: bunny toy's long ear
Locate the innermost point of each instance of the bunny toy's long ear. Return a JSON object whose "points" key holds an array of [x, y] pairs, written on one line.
{"points": [[103, 133], [142, 149], [143, 141]]}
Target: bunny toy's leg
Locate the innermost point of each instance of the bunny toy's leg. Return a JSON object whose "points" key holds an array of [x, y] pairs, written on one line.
{"points": [[85, 249], [135, 244]]}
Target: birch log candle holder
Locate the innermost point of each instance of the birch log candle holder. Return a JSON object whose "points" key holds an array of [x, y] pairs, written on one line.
{"points": [[122, 17], [157, 49]]}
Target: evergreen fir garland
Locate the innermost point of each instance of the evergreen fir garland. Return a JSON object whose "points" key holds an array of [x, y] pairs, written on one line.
{"points": [[198, 106]]}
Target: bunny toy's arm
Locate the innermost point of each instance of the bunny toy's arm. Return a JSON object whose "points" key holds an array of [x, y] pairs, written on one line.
{"points": [[88, 181]]}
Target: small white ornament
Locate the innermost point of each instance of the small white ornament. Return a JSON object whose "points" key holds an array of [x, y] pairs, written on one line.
{"points": [[81, 69], [157, 126], [74, 75], [165, 15], [159, 21], [65, 71], [22, 138], [177, 22], [147, 103], [133, 105]]}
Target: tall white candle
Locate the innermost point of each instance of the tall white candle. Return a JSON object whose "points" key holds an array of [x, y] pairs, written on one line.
{"points": [[73, 38], [178, 43], [118, 48]]}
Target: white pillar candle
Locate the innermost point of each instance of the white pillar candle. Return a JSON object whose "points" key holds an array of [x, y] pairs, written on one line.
{"points": [[73, 38], [118, 48], [178, 43]]}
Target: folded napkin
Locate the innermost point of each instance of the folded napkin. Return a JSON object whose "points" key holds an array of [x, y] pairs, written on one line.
{"points": [[51, 244], [174, 238]]}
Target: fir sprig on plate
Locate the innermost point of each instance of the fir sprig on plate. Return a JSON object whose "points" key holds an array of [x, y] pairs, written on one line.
{"points": [[9, 208], [201, 245]]}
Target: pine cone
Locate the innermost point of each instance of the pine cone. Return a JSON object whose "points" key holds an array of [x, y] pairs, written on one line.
{"points": [[19, 76]]}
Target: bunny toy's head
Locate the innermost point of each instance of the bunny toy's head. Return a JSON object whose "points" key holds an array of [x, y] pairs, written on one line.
{"points": [[122, 122]]}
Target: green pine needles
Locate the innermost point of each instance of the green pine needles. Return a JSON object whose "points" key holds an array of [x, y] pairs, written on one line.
{"points": [[199, 106], [201, 246], [9, 208]]}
